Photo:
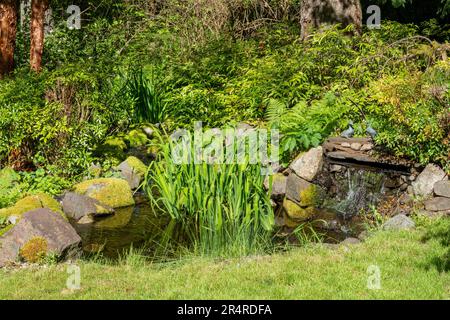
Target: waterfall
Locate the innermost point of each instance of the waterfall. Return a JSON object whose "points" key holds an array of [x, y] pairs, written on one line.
{"points": [[359, 191]]}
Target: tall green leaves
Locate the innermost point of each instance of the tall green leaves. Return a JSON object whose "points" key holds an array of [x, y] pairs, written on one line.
{"points": [[149, 105], [223, 209]]}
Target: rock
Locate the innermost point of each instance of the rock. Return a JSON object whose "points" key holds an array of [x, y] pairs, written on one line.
{"points": [[399, 222], [363, 236], [149, 132], [406, 199], [336, 168], [366, 147], [392, 182], [278, 185], [351, 241], [136, 138], [133, 171], [303, 192], [438, 204], [346, 144], [87, 219], [424, 184], [119, 220], [29, 203], [442, 188], [113, 192], [45, 224], [433, 214], [95, 170], [308, 165], [297, 213], [356, 146], [77, 206], [113, 148]]}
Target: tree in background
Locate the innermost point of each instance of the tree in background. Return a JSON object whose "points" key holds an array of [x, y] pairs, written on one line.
{"points": [[314, 13], [8, 27], [38, 8]]}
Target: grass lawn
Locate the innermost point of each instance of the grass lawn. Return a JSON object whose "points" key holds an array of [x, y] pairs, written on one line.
{"points": [[316, 272]]}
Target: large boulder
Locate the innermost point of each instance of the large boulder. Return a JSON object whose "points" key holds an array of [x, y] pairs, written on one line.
{"points": [[42, 226], [278, 185], [442, 188], [133, 171], [42, 200], [113, 192], [77, 206], [399, 222], [438, 204], [309, 164], [424, 184], [303, 192]]}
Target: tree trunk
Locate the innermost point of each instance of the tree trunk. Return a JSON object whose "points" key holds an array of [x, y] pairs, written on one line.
{"points": [[38, 8], [314, 13], [8, 24]]}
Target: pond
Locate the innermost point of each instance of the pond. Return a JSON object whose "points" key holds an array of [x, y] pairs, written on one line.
{"points": [[113, 236]]}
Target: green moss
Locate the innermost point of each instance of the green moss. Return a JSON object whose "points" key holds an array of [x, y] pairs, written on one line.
{"points": [[35, 250], [6, 229], [112, 192], [296, 212], [137, 138], [311, 196], [33, 202], [114, 148], [137, 165]]}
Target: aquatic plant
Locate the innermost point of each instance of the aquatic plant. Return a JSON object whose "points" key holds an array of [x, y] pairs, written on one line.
{"points": [[222, 209]]}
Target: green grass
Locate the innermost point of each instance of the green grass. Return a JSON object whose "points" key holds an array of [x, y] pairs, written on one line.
{"points": [[314, 272]]}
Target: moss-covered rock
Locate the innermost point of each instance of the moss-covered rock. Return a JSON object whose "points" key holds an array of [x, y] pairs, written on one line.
{"points": [[33, 202], [296, 212], [133, 171], [112, 192], [136, 138], [311, 196], [113, 148], [34, 250]]}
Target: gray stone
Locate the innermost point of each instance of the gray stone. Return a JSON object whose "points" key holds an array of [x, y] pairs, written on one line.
{"points": [[308, 165], [295, 186], [366, 147], [442, 188], [399, 222], [350, 241], [438, 204], [43, 223], [77, 206], [336, 168], [132, 174], [424, 184], [279, 182], [149, 132]]}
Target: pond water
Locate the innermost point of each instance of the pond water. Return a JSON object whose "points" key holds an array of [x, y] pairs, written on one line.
{"points": [[129, 227]]}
